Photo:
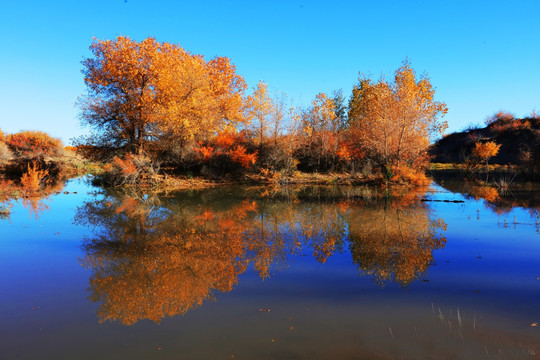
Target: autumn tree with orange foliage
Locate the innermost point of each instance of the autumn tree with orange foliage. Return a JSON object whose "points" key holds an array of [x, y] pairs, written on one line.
{"points": [[141, 92], [395, 240], [320, 141], [393, 121], [483, 151]]}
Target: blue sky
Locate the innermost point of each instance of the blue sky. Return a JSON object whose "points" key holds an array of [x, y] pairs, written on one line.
{"points": [[481, 56]]}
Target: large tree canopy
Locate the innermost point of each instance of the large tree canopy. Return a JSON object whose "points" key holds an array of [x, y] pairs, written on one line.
{"points": [[143, 91], [394, 120]]}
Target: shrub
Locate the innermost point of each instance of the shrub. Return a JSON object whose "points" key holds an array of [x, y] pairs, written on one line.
{"points": [[129, 170], [240, 156], [408, 175], [513, 124], [32, 144], [226, 153], [499, 115], [34, 178]]}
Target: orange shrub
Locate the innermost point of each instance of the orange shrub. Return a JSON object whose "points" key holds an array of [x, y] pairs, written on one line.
{"points": [[498, 116], [240, 156], [33, 178], [500, 126], [225, 152], [408, 175], [125, 166], [227, 139], [33, 143], [344, 152], [205, 152], [129, 170]]}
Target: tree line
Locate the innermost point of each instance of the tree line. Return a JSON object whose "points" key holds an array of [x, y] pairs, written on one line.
{"points": [[160, 103]]}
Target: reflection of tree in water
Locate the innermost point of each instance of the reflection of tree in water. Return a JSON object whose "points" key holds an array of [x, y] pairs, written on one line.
{"points": [[154, 258], [150, 263], [394, 239]]}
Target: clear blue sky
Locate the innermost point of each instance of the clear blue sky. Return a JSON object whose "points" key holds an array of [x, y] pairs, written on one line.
{"points": [[481, 56]]}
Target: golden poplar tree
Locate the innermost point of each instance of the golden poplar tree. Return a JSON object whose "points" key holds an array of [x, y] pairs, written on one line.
{"points": [[259, 108], [140, 92], [394, 120]]}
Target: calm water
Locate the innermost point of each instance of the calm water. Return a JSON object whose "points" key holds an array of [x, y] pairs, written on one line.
{"points": [[448, 272]]}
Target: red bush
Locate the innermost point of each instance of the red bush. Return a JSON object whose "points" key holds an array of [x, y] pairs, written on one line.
{"points": [[225, 152]]}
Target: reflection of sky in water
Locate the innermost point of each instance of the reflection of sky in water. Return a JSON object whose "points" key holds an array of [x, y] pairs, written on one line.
{"points": [[486, 270]]}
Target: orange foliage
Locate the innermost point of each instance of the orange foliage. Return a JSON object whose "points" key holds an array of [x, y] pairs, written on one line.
{"points": [[487, 193], [534, 115], [406, 174], [227, 139], [140, 91], [395, 242], [7, 189], [350, 150], [126, 166], [498, 116], [393, 121], [229, 144], [131, 169], [500, 126], [205, 152], [34, 178], [32, 143], [240, 156], [344, 152], [205, 216], [485, 151]]}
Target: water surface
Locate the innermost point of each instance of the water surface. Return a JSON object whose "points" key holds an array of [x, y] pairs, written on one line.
{"points": [[263, 273]]}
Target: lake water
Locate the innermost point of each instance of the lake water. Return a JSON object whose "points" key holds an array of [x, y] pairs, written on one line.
{"points": [[446, 272]]}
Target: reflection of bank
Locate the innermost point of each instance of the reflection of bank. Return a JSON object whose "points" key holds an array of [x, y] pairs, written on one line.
{"points": [[31, 198], [152, 258], [500, 199]]}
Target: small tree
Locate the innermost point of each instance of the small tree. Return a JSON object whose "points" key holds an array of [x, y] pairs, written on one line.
{"points": [[482, 152], [259, 110]]}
